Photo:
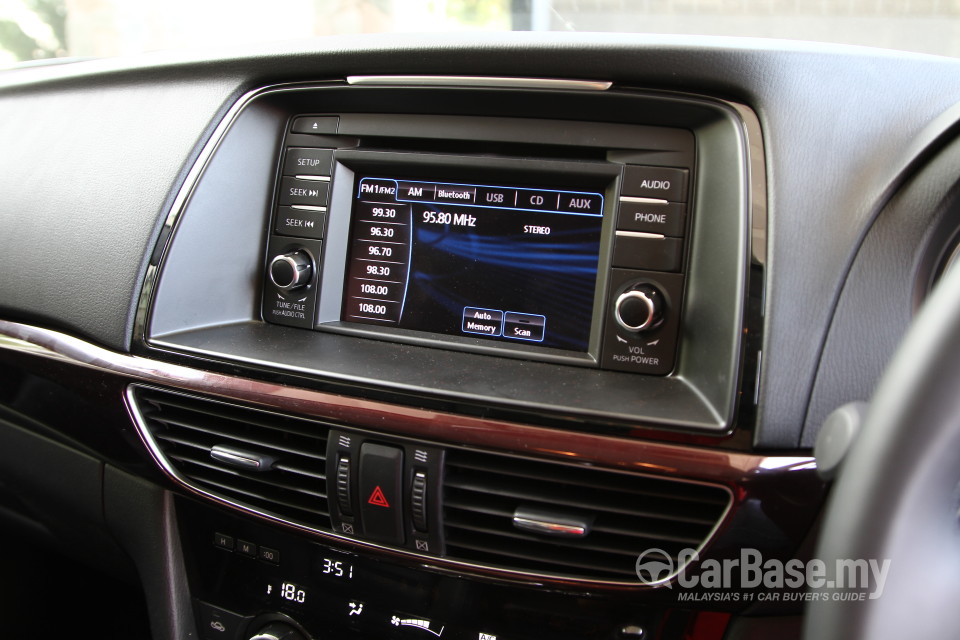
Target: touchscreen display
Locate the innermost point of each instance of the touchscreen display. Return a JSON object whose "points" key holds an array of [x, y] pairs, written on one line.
{"points": [[499, 262]]}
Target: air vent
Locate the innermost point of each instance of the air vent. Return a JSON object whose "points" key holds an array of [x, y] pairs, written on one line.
{"points": [[629, 514], [291, 483]]}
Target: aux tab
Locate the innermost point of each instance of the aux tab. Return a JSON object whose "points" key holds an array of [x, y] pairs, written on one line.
{"points": [[581, 203]]}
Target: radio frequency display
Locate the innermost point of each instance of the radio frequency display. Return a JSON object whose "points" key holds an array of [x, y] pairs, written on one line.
{"points": [[506, 263]]}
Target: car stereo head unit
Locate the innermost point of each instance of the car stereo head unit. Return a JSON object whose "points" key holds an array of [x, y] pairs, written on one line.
{"points": [[577, 261]]}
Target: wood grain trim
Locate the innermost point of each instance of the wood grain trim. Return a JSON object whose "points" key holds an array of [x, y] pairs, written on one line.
{"points": [[658, 458]]}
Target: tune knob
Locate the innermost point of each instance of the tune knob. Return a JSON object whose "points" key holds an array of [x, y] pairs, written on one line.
{"points": [[291, 270], [639, 308], [278, 631]]}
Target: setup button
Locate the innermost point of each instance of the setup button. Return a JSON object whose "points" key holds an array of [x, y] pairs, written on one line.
{"points": [[523, 326], [488, 322]]}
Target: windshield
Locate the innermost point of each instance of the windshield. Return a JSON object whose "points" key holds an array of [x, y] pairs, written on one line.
{"points": [[48, 29]]}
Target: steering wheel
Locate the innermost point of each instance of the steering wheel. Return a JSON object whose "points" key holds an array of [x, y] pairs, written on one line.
{"points": [[897, 494]]}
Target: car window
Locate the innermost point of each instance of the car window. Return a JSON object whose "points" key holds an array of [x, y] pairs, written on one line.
{"points": [[33, 30]]}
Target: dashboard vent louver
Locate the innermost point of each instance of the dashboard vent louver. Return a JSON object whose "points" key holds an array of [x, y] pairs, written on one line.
{"points": [[630, 514], [293, 488]]}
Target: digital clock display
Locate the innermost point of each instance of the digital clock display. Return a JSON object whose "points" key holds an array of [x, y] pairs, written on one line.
{"points": [[337, 569]]}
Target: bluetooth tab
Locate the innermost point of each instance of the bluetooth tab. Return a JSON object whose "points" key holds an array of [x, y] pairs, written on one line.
{"points": [[464, 194]]}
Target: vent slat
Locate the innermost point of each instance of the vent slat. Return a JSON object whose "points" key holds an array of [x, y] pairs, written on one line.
{"points": [[258, 496], [603, 527], [542, 561], [239, 438], [172, 439], [186, 428], [497, 487], [612, 483], [300, 472], [230, 413], [278, 466], [265, 479], [612, 522], [630, 514], [591, 542]]}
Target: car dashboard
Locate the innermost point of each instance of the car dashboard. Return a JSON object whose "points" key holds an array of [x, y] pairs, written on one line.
{"points": [[369, 337]]}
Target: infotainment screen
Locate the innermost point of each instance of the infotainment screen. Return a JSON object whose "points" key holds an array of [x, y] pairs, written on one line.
{"points": [[504, 263]]}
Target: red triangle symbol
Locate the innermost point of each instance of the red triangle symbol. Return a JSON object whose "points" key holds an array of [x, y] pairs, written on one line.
{"points": [[378, 498]]}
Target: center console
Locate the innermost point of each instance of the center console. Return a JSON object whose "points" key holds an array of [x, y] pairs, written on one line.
{"points": [[489, 330]]}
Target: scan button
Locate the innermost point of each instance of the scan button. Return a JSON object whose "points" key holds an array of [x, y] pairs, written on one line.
{"points": [[523, 326]]}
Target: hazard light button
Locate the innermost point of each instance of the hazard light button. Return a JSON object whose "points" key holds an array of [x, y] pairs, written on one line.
{"points": [[381, 493]]}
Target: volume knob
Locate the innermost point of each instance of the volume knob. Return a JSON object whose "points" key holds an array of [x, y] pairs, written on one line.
{"points": [[278, 631], [291, 270], [639, 308]]}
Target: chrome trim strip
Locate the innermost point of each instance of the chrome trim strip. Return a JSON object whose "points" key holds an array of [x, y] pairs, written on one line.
{"points": [[644, 200], [712, 466], [314, 178], [547, 523], [550, 528], [647, 300], [307, 207], [236, 458], [641, 234], [190, 183], [757, 172], [480, 81]]}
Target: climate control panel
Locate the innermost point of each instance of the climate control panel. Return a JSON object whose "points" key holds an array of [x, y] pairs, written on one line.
{"points": [[317, 592]]}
